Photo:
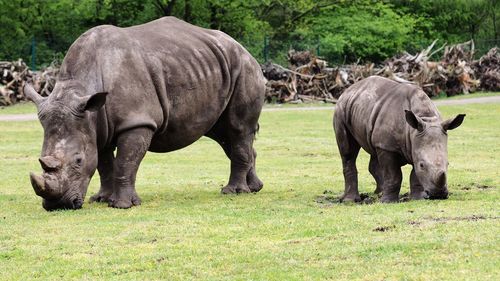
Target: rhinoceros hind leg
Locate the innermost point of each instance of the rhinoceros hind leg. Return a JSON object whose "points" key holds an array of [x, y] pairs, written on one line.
{"points": [[132, 146], [348, 149], [374, 169], [254, 184], [235, 132], [105, 169], [253, 181]]}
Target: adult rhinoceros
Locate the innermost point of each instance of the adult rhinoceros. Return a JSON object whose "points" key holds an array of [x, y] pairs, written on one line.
{"points": [[396, 124], [159, 86]]}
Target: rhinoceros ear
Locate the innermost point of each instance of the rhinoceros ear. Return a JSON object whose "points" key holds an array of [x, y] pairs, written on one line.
{"points": [[414, 121], [451, 124], [94, 102], [32, 94]]}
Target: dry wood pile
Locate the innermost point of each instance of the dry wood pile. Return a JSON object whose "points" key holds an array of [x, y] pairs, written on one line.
{"points": [[488, 68], [12, 77], [14, 74], [309, 79], [45, 80], [453, 74]]}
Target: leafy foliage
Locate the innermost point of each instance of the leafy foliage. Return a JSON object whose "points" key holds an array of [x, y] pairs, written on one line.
{"points": [[340, 30]]}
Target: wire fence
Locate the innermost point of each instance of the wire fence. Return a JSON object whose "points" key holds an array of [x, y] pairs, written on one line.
{"points": [[277, 51], [38, 55]]}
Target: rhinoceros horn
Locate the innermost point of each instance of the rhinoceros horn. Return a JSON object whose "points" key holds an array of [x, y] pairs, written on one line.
{"points": [[38, 183], [32, 94], [50, 163]]}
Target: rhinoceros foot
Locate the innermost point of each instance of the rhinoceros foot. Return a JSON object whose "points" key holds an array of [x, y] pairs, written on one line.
{"points": [[101, 196], [390, 198], [350, 198], [124, 201], [232, 189], [255, 184], [419, 195]]}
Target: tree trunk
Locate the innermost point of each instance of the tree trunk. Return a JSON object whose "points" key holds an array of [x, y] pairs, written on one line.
{"points": [[187, 11], [165, 9]]}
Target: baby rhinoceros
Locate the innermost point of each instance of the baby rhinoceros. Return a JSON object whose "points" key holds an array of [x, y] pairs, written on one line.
{"points": [[397, 124]]}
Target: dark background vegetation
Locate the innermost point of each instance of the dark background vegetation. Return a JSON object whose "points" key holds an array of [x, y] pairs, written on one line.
{"points": [[340, 31]]}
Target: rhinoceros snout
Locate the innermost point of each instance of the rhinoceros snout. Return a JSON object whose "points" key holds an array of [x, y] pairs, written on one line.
{"points": [[62, 204], [437, 194]]}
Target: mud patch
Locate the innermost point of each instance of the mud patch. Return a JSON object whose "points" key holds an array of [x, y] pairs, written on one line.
{"points": [[405, 197], [469, 218], [475, 186], [384, 228], [328, 199], [473, 218]]}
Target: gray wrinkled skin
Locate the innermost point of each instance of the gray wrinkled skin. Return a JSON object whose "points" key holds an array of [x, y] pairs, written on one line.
{"points": [[159, 86], [397, 124]]}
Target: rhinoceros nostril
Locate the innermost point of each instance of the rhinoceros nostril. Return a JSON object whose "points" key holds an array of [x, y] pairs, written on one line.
{"points": [[77, 203], [441, 180], [427, 194]]}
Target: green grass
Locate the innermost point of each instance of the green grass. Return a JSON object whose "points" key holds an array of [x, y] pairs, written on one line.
{"points": [[18, 108], [468, 96], [29, 107], [186, 230]]}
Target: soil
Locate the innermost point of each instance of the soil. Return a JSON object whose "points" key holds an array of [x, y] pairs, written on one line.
{"points": [[472, 218], [476, 186], [384, 228], [329, 198]]}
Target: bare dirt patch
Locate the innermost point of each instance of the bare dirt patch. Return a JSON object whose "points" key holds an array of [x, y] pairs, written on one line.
{"points": [[472, 218], [384, 228], [474, 186], [328, 198]]}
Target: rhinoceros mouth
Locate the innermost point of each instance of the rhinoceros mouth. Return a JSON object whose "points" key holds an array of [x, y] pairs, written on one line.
{"points": [[437, 195], [70, 200]]}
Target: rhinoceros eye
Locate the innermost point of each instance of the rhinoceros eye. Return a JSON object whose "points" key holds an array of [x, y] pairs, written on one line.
{"points": [[79, 160]]}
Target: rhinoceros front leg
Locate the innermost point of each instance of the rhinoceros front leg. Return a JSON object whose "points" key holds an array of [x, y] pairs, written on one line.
{"points": [[389, 163], [416, 189], [132, 145], [105, 168]]}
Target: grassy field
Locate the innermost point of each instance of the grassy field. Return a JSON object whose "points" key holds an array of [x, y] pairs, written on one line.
{"points": [[187, 230], [29, 107]]}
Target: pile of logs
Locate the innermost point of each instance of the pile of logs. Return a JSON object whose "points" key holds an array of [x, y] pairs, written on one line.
{"points": [[14, 74], [488, 68], [45, 80], [12, 77], [309, 79]]}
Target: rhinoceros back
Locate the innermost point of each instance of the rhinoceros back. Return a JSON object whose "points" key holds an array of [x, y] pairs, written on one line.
{"points": [[171, 76], [373, 112]]}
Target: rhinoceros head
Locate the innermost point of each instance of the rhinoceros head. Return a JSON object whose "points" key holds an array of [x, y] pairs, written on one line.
{"points": [[69, 152], [430, 152]]}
